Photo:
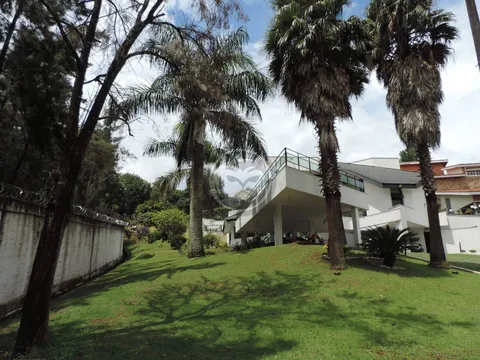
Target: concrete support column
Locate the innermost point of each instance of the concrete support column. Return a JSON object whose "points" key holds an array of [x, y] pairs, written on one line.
{"points": [[357, 234], [232, 234], [278, 225], [244, 238]]}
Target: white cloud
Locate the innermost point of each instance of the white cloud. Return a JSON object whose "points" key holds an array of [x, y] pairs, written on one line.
{"points": [[372, 131]]}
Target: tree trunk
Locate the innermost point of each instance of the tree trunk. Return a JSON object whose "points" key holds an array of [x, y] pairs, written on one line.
{"points": [[195, 244], [437, 252], [34, 321], [475, 26], [19, 164], [331, 190], [9, 34]]}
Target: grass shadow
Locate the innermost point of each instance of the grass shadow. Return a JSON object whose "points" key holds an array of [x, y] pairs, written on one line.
{"points": [[129, 273], [265, 314], [411, 268]]}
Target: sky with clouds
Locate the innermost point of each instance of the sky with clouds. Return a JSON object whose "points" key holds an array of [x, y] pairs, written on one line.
{"points": [[371, 133]]}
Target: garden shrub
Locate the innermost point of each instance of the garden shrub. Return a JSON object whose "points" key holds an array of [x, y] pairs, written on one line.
{"points": [[158, 235], [171, 221], [473, 251], [239, 247], [177, 241], [220, 244], [252, 243], [128, 233], [209, 240], [142, 234], [386, 242]]}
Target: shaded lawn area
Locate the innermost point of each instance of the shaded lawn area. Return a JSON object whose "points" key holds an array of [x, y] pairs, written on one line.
{"points": [[271, 303], [467, 261]]}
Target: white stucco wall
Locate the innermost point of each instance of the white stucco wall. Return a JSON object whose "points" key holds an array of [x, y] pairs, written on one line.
{"points": [[462, 230], [457, 201], [391, 163], [88, 247], [379, 199], [415, 199]]}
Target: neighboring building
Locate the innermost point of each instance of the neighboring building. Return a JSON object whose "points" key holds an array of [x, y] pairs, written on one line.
{"points": [[375, 192], [458, 186], [437, 166], [212, 225]]}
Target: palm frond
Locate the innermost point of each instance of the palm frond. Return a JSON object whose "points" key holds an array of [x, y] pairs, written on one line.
{"points": [[158, 98], [154, 147], [412, 42], [238, 134], [171, 180]]}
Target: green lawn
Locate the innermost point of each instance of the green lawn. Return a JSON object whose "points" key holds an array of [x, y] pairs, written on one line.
{"points": [[272, 303], [467, 261]]}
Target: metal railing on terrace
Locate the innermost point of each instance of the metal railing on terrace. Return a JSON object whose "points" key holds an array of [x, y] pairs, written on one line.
{"points": [[300, 162]]}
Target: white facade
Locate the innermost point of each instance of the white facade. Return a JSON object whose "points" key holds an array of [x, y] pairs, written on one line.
{"points": [[289, 199], [390, 163]]}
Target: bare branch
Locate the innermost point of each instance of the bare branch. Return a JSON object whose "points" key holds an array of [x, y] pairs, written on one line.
{"points": [[96, 78], [142, 10], [63, 33], [147, 53]]}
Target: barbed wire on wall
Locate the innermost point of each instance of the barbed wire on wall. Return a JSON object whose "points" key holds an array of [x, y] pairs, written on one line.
{"points": [[80, 210], [14, 192], [8, 191]]}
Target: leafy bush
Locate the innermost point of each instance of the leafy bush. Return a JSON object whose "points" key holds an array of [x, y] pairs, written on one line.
{"points": [[158, 235], [209, 240], [128, 232], [171, 221], [142, 234], [255, 242], [386, 242], [252, 243], [473, 251], [177, 241], [220, 244]]}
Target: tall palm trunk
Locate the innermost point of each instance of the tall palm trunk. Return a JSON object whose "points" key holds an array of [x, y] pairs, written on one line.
{"points": [[437, 252], [331, 190], [195, 245], [475, 26]]}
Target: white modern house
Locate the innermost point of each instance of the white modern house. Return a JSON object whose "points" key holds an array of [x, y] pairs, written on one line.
{"points": [[375, 192]]}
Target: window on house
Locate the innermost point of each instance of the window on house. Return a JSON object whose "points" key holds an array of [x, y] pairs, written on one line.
{"points": [[448, 204], [473, 172], [397, 196]]}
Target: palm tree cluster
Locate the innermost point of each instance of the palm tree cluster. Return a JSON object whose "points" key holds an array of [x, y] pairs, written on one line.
{"points": [[320, 59]]}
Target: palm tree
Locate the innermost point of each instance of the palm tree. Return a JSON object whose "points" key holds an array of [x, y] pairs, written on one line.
{"points": [[318, 60], [412, 43], [214, 157], [215, 87]]}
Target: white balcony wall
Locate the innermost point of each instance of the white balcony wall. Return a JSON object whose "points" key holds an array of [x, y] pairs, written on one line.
{"points": [[379, 199], [463, 232], [457, 201]]}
